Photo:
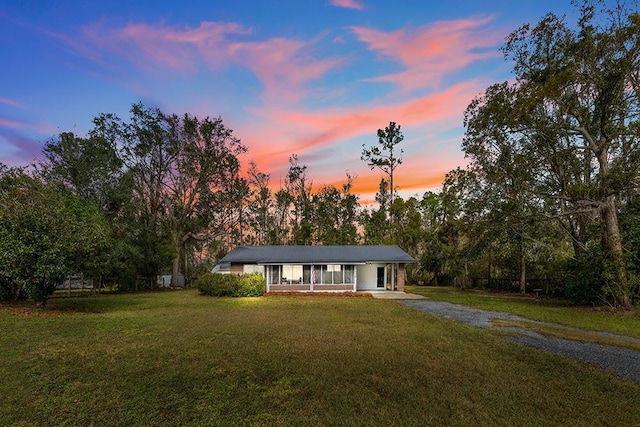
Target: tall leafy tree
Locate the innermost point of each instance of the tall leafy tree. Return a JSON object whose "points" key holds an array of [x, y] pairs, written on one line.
{"points": [[505, 205], [374, 220], [385, 155], [45, 234], [299, 188], [437, 247], [186, 183], [574, 107], [409, 231], [202, 186], [261, 217], [335, 214], [89, 167]]}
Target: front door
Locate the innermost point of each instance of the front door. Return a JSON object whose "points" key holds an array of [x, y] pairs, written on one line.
{"points": [[380, 281]]}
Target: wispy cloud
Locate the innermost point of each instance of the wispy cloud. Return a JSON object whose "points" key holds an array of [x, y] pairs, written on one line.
{"points": [[283, 66], [16, 148], [347, 4], [147, 46], [10, 123], [11, 103], [309, 132], [283, 118], [432, 52]]}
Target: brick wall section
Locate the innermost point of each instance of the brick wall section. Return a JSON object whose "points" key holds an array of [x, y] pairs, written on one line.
{"points": [[237, 269], [276, 288], [341, 287], [400, 283]]}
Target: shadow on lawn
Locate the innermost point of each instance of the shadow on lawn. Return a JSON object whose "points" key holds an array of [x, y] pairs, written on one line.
{"points": [[94, 304]]}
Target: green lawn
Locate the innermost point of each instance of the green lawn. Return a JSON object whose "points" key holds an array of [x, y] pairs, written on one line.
{"points": [[178, 358]]}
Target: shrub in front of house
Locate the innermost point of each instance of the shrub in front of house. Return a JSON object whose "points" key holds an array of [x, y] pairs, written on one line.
{"points": [[231, 285], [216, 285], [251, 285]]}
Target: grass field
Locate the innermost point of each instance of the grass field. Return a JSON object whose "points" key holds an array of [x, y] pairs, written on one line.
{"points": [[178, 358], [545, 309]]}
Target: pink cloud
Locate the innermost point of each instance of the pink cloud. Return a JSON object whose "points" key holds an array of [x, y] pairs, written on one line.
{"points": [[17, 150], [282, 132], [11, 103], [283, 66], [347, 4], [433, 51], [12, 124], [148, 46], [338, 124], [282, 126]]}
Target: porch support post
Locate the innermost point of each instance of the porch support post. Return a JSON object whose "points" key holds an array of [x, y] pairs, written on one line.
{"points": [[355, 278], [267, 277]]}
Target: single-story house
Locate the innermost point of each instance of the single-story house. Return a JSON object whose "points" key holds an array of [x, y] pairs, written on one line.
{"points": [[323, 268]]}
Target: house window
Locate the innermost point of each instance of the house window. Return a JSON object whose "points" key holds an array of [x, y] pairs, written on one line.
{"points": [[349, 276], [291, 274], [252, 269], [335, 272], [328, 274], [274, 274]]}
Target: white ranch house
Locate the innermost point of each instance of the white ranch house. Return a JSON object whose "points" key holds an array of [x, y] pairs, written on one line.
{"points": [[323, 268]]}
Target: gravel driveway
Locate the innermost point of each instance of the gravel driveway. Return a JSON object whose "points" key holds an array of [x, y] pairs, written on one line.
{"points": [[623, 361]]}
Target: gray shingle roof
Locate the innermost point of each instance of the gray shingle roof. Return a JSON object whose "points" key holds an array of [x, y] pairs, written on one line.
{"points": [[317, 254]]}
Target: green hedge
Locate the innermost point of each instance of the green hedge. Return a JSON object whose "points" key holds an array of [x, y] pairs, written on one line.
{"points": [[231, 285]]}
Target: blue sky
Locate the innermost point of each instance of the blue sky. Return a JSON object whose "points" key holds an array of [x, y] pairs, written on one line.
{"points": [[312, 78]]}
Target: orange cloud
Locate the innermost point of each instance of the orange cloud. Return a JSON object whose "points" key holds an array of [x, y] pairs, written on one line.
{"points": [[304, 130], [327, 134]]}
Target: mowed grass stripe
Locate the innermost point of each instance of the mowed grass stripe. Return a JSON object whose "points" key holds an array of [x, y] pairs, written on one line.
{"points": [[178, 358]]}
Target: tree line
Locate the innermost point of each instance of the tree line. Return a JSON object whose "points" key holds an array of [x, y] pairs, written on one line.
{"points": [[550, 193]]}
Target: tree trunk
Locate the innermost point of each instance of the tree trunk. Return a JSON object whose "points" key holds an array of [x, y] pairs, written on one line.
{"points": [[523, 267], [611, 235], [615, 254], [175, 270]]}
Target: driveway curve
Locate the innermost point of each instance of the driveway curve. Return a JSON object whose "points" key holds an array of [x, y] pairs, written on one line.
{"points": [[624, 362]]}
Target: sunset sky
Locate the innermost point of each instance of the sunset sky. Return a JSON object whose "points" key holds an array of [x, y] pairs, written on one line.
{"points": [[315, 78]]}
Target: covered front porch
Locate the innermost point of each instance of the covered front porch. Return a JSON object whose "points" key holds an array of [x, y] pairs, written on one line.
{"points": [[334, 277]]}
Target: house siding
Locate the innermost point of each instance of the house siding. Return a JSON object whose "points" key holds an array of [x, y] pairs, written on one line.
{"points": [[368, 277], [237, 268]]}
